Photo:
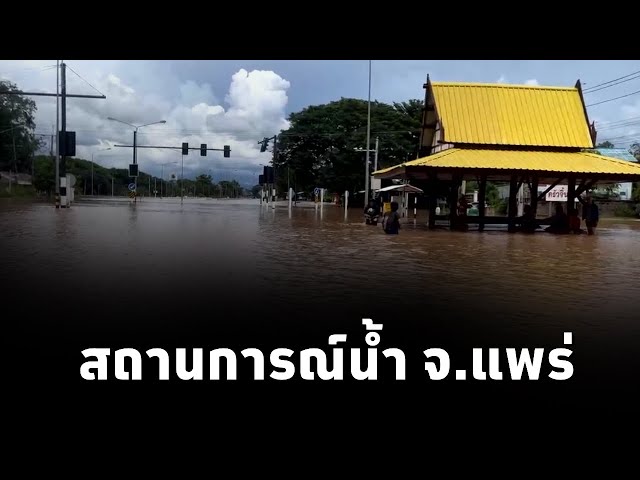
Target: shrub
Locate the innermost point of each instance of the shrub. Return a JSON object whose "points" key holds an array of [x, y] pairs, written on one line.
{"points": [[624, 210]]}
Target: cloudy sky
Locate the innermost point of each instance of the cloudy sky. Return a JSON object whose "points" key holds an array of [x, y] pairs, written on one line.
{"points": [[237, 103]]}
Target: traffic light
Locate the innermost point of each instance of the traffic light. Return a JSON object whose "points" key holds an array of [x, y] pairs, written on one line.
{"points": [[227, 151], [265, 144], [268, 174], [67, 144], [185, 148], [203, 149]]}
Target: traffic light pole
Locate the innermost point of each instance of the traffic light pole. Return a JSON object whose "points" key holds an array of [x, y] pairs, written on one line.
{"points": [[135, 162]]}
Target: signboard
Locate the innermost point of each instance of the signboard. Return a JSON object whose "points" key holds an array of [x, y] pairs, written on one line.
{"points": [[316, 191], [376, 183], [559, 193], [132, 187]]}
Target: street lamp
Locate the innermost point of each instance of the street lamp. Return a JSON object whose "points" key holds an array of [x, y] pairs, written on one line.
{"points": [[135, 137], [92, 154]]}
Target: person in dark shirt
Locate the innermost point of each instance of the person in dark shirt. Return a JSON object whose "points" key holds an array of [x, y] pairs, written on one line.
{"points": [[527, 221], [392, 221], [591, 215], [559, 222]]}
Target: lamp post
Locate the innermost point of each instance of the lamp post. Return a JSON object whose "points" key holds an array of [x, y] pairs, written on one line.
{"points": [[92, 154], [135, 137], [368, 149]]}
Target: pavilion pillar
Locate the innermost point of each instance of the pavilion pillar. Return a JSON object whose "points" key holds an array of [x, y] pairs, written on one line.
{"points": [[453, 201], [571, 194], [433, 201], [534, 196], [513, 203], [482, 195]]}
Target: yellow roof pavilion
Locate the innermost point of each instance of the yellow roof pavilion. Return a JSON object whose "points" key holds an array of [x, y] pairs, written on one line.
{"points": [[524, 160], [513, 115]]}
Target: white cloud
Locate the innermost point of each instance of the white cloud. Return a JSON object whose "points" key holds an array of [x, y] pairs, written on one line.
{"points": [[631, 111], [502, 79], [255, 108], [531, 81]]}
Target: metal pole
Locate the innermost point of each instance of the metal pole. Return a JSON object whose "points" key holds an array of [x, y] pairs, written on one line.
{"points": [[182, 182], [92, 174], [149, 186], [366, 163], [155, 187], [112, 184], [161, 179], [346, 203], [63, 127], [135, 179], [57, 127], [375, 159]]}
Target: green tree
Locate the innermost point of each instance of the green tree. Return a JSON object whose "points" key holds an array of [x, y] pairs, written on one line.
{"points": [[18, 142], [255, 190], [606, 144], [204, 185], [320, 146], [231, 188]]}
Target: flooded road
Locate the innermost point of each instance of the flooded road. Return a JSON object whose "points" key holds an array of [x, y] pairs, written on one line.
{"points": [[109, 248]]}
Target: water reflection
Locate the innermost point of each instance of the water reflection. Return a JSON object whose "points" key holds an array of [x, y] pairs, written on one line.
{"points": [[318, 255]]}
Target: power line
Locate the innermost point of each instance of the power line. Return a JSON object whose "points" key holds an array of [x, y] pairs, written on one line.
{"points": [[615, 98], [590, 89], [84, 80], [613, 84]]}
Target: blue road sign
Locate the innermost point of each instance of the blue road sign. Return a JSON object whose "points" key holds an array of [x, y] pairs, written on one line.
{"points": [[132, 186], [316, 191]]}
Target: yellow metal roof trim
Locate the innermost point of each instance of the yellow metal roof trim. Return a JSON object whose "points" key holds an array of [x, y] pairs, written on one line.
{"points": [[570, 162], [500, 85], [511, 115]]}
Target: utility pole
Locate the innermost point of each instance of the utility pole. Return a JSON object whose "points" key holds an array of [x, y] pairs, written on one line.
{"points": [[58, 129], [375, 160], [135, 158], [62, 170], [61, 92], [366, 163]]}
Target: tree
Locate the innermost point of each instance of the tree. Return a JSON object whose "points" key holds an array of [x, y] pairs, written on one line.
{"points": [[18, 142], [230, 188], [320, 146], [204, 184], [255, 190], [606, 144]]}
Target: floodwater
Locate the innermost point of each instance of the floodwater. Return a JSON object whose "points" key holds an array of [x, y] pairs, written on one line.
{"points": [[103, 245]]}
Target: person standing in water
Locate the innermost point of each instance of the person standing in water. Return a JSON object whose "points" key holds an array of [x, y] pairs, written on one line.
{"points": [[392, 220], [591, 215]]}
